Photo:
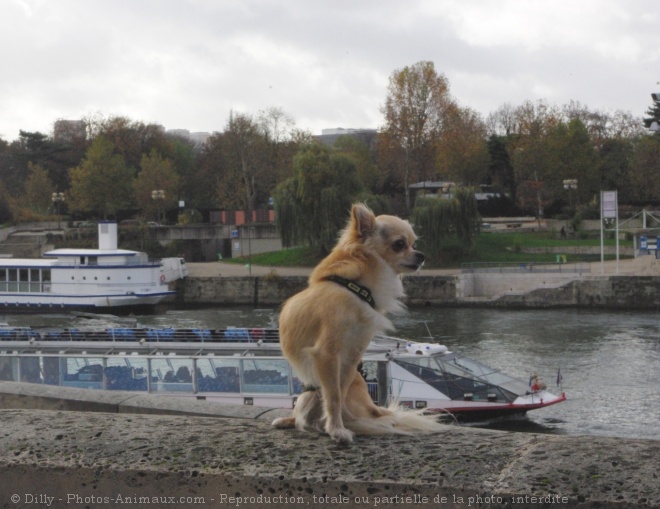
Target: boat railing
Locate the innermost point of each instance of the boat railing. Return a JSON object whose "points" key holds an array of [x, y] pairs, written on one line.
{"points": [[525, 267], [123, 261], [143, 335]]}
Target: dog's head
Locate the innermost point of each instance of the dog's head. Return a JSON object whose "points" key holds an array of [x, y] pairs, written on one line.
{"points": [[388, 237]]}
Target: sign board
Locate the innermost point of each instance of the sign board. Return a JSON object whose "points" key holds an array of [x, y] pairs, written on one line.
{"points": [[643, 242], [609, 204], [234, 234]]}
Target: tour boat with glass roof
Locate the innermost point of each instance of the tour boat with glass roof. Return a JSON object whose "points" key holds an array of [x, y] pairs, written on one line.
{"points": [[246, 367]]}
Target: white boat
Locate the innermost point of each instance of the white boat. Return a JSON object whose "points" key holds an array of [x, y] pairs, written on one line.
{"points": [[246, 366], [93, 279]]}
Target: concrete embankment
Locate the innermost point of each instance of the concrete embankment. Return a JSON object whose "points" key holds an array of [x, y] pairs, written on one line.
{"points": [[502, 290], [58, 458]]}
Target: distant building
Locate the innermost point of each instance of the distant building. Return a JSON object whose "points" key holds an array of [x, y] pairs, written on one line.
{"points": [[432, 188], [330, 136], [68, 131], [199, 138]]}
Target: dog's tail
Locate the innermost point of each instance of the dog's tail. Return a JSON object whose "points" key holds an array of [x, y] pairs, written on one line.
{"points": [[396, 420]]}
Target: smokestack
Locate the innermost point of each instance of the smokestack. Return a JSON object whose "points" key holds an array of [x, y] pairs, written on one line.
{"points": [[107, 235]]}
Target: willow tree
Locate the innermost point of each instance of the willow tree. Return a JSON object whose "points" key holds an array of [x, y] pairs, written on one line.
{"points": [[312, 206], [447, 224]]}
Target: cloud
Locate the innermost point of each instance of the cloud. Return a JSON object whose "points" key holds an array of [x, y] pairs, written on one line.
{"points": [[186, 64]]}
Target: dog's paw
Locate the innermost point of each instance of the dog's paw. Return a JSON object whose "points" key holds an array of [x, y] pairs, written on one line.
{"points": [[341, 435], [284, 423]]}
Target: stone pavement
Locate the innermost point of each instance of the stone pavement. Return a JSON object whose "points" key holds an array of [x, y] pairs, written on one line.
{"points": [[65, 459]]}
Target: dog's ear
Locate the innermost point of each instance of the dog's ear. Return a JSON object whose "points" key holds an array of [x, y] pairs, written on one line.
{"points": [[363, 221]]}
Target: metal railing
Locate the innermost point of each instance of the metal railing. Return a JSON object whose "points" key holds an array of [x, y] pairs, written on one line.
{"points": [[525, 267]]}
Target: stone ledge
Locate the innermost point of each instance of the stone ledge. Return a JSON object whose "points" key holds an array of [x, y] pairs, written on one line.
{"points": [[16, 395], [97, 459]]}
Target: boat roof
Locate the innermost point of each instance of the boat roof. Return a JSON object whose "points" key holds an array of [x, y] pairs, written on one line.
{"points": [[26, 262], [90, 252]]}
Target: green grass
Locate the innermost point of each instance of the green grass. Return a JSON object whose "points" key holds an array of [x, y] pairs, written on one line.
{"points": [[490, 248]]}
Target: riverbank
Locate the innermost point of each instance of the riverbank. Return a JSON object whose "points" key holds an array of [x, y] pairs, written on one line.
{"points": [[627, 284], [52, 456]]}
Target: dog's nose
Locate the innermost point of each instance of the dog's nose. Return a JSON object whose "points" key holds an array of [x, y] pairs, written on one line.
{"points": [[419, 257]]}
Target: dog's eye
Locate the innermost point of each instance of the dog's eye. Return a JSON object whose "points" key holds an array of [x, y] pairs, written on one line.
{"points": [[399, 245]]}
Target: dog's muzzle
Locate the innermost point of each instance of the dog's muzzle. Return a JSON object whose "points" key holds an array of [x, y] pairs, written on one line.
{"points": [[418, 261]]}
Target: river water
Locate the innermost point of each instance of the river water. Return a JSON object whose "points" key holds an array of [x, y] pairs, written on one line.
{"points": [[609, 361]]}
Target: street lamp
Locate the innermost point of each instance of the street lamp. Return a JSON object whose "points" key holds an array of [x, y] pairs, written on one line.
{"points": [[570, 185], [58, 198], [158, 195]]}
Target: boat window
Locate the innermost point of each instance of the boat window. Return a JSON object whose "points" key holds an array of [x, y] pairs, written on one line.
{"points": [[265, 376], [171, 374], [35, 285], [51, 370], [369, 372], [93, 260], [218, 375], [463, 366], [24, 277], [8, 369], [3, 280], [82, 372], [12, 274], [453, 383], [29, 370], [125, 374], [45, 275]]}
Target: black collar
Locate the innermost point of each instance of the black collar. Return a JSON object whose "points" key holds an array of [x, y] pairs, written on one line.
{"points": [[358, 290]]}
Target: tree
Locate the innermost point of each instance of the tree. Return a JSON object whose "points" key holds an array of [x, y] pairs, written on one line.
{"points": [[643, 184], [359, 152], [156, 174], [38, 190], [462, 149], [415, 113], [185, 157], [311, 206], [244, 142], [500, 170], [445, 224], [103, 183], [653, 112], [282, 141], [530, 153], [613, 165], [131, 139]]}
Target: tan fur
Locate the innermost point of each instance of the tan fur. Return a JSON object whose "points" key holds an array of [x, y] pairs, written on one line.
{"points": [[325, 329]]}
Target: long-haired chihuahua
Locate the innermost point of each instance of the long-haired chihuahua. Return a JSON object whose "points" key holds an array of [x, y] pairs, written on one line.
{"points": [[326, 328]]}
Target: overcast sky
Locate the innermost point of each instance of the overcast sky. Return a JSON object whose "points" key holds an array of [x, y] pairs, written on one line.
{"points": [[186, 63]]}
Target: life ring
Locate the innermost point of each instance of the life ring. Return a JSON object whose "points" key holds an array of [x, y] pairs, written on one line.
{"points": [[162, 278]]}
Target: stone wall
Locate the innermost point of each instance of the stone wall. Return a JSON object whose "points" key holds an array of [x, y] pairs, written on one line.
{"points": [[247, 290], [66, 459], [537, 291]]}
